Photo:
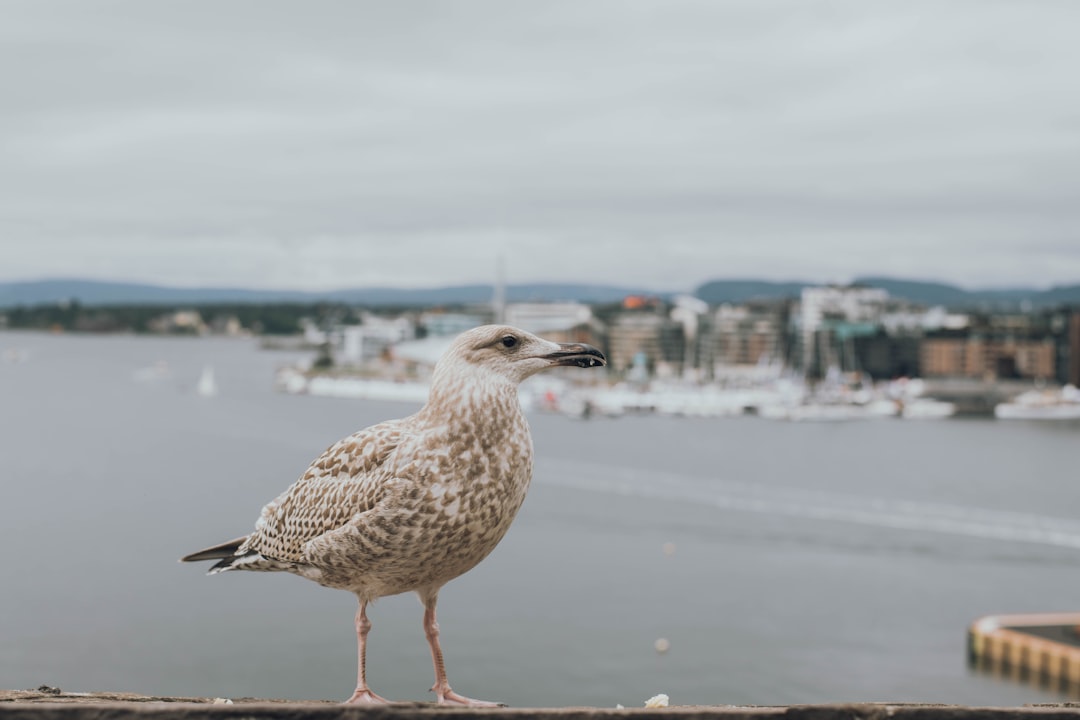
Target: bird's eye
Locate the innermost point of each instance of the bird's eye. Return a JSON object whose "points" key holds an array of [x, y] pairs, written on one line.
{"points": [[509, 341]]}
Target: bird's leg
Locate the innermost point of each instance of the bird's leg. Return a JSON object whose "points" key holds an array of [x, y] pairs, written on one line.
{"points": [[442, 686], [363, 693]]}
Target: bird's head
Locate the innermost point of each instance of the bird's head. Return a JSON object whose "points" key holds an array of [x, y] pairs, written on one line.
{"points": [[513, 354]]}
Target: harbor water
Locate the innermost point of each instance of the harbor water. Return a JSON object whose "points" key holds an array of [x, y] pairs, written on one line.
{"points": [[781, 562]]}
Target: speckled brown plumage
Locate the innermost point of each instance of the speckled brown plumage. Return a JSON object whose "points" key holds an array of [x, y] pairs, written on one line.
{"points": [[410, 504]]}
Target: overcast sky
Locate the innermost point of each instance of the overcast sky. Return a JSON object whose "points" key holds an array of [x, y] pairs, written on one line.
{"points": [[661, 144]]}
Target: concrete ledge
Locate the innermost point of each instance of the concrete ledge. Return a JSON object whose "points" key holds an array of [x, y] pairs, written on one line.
{"points": [[49, 704]]}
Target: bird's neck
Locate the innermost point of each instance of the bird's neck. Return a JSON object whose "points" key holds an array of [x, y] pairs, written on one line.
{"points": [[472, 397]]}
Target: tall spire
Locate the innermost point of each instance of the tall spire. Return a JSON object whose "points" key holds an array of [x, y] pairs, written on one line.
{"points": [[498, 300]]}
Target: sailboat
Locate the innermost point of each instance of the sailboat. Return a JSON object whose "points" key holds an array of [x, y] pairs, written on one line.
{"points": [[207, 386]]}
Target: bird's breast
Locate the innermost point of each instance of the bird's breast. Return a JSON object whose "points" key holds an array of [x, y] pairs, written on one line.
{"points": [[472, 485], [470, 494]]}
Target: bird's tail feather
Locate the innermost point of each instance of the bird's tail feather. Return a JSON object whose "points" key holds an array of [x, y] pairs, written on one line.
{"points": [[228, 557], [217, 552]]}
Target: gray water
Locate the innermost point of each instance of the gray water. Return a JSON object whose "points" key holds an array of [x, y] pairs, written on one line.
{"points": [[811, 563]]}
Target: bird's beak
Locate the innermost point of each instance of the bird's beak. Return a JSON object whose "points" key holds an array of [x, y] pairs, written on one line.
{"points": [[577, 354]]}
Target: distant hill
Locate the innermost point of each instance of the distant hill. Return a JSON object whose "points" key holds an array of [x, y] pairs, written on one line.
{"points": [[92, 292], [929, 293], [96, 293], [1062, 295], [951, 296], [924, 293]]}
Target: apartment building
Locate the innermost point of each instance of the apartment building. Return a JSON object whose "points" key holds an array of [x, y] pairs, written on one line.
{"points": [[990, 358], [750, 334], [647, 340]]}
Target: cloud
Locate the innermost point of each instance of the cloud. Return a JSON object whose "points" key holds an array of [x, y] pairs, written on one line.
{"points": [[662, 143]]}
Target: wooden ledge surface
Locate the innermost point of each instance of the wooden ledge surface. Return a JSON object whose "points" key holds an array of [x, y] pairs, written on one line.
{"points": [[52, 704]]}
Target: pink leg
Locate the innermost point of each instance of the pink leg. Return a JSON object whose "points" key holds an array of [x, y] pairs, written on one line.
{"points": [[363, 694], [442, 685]]}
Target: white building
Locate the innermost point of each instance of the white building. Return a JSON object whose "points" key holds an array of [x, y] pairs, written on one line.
{"points": [[367, 341], [852, 303], [546, 317], [848, 303], [440, 324]]}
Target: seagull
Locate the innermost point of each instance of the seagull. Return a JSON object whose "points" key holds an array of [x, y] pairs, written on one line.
{"points": [[408, 505]]}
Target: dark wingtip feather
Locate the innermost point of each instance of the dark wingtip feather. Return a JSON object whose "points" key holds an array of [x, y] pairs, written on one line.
{"points": [[217, 552]]}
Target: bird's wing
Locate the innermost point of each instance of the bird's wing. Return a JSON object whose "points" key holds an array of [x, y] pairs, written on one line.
{"points": [[342, 482]]}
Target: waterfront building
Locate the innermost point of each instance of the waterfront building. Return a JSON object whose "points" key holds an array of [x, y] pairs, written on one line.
{"points": [[693, 315], [745, 338], [539, 317], [830, 311], [648, 340], [887, 355], [557, 321], [184, 322], [368, 341], [442, 324], [987, 357]]}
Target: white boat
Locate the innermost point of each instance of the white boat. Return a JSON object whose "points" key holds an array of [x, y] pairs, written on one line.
{"points": [[673, 399], [830, 403], [829, 412], [207, 386], [1062, 404], [367, 389], [290, 380]]}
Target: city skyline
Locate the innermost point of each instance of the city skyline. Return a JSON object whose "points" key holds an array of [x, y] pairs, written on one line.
{"points": [[655, 144]]}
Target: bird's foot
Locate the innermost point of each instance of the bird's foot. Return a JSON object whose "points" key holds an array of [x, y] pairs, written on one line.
{"points": [[449, 697], [364, 696]]}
